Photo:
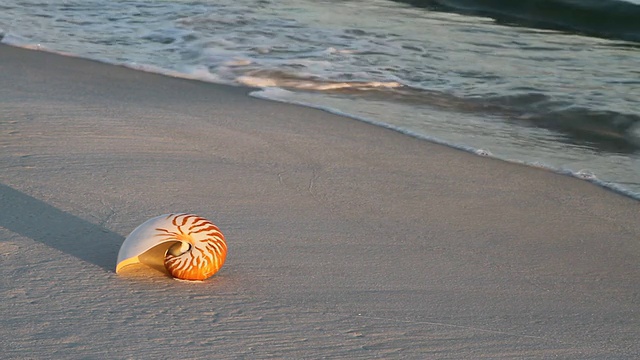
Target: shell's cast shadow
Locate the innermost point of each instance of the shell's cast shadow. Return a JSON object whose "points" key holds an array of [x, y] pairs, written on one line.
{"points": [[37, 220]]}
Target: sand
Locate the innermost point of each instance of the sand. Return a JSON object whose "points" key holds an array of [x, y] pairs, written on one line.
{"points": [[346, 240]]}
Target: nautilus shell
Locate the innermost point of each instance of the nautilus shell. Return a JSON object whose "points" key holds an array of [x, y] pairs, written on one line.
{"points": [[187, 246]]}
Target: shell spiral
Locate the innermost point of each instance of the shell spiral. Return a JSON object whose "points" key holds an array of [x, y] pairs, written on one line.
{"points": [[205, 254], [191, 247]]}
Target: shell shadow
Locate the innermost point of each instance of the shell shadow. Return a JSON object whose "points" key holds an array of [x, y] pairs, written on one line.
{"points": [[37, 220]]}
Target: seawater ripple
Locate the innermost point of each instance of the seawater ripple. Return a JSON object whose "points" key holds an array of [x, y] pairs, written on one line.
{"points": [[521, 93]]}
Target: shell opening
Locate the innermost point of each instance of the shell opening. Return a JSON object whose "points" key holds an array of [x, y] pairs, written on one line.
{"points": [[180, 248]]}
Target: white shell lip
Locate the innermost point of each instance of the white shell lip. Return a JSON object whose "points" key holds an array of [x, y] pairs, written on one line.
{"points": [[142, 246]]}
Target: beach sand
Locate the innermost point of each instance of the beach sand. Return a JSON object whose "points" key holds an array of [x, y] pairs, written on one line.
{"points": [[346, 240]]}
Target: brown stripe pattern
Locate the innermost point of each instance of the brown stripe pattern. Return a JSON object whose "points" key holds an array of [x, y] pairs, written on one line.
{"points": [[202, 249]]}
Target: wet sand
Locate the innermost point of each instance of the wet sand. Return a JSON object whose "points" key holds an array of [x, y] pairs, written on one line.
{"points": [[346, 240]]}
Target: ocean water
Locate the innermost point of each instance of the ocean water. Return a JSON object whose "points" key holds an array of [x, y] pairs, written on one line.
{"points": [[551, 83]]}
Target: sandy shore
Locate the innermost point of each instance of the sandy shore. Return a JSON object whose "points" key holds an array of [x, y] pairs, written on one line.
{"points": [[346, 240]]}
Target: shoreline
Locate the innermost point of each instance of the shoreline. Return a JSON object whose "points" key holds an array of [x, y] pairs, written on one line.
{"points": [[582, 174], [345, 239], [579, 174]]}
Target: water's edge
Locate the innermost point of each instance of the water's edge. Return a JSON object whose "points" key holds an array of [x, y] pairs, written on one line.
{"points": [[271, 94], [581, 174]]}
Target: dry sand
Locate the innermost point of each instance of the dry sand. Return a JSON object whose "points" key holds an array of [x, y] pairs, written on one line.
{"points": [[346, 240]]}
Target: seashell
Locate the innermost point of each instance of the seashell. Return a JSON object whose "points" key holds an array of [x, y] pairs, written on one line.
{"points": [[187, 246]]}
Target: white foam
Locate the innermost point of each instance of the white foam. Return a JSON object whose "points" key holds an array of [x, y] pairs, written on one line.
{"points": [[585, 174], [483, 152], [238, 62], [302, 83]]}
